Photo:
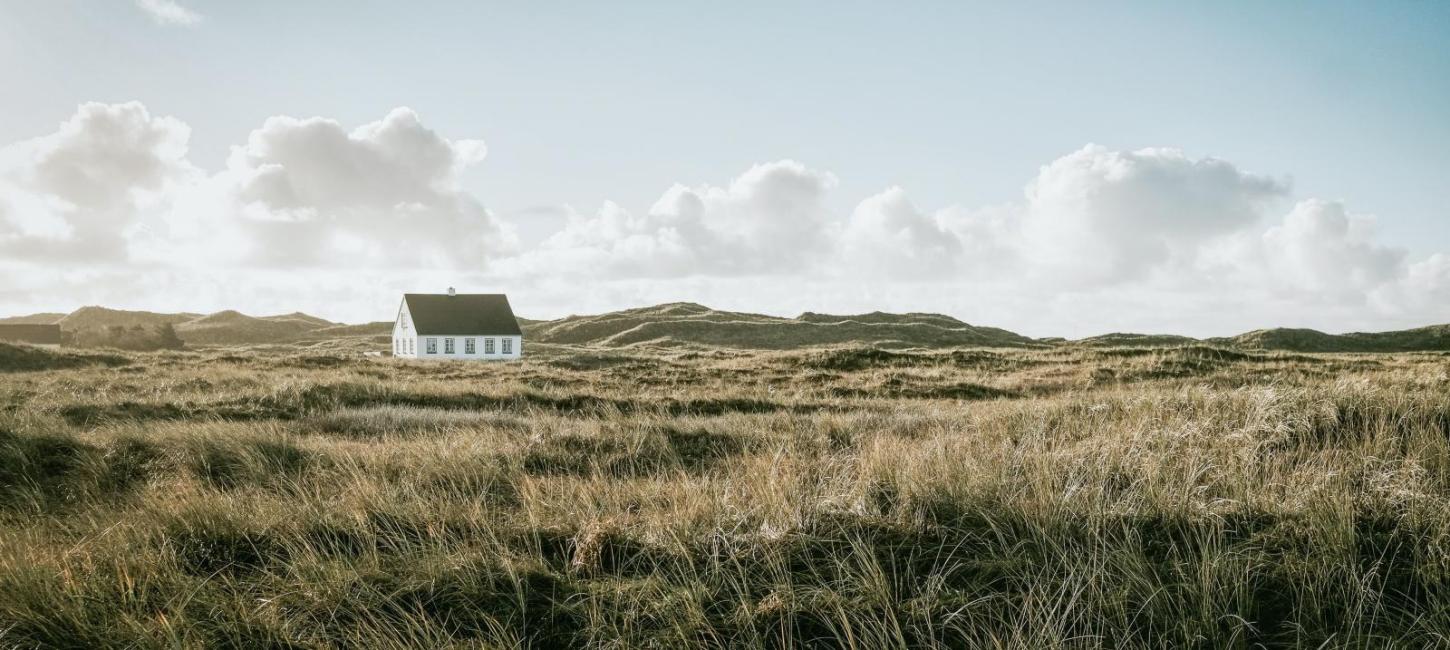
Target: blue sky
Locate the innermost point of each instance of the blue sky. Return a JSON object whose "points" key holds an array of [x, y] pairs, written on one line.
{"points": [[960, 104]]}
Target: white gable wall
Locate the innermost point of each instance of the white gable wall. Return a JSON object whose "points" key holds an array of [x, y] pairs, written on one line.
{"points": [[405, 337]]}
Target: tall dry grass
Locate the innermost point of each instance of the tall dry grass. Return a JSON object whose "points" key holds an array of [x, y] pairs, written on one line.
{"points": [[1060, 498]]}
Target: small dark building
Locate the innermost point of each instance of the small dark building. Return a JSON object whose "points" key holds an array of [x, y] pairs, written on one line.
{"points": [[30, 333]]}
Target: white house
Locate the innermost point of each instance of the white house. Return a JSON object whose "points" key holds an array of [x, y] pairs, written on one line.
{"points": [[457, 326]]}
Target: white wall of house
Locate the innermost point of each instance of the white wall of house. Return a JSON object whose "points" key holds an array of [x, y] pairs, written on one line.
{"points": [[405, 337], [431, 346]]}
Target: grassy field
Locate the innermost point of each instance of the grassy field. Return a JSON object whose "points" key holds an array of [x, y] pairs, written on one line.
{"points": [[1053, 497]]}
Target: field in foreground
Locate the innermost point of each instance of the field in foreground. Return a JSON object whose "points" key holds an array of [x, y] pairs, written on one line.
{"points": [[850, 497]]}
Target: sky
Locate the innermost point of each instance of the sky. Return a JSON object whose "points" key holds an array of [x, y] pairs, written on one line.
{"points": [[1059, 169]]}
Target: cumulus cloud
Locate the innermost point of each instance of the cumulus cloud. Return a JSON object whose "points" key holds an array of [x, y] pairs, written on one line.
{"points": [[1427, 286], [307, 213], [77, 193], [168, 12], [308, 192], [114, 185], [1321, 247], [1097, 215], [1143, 230], [887, 235], [1094, 217], [770, 219]]}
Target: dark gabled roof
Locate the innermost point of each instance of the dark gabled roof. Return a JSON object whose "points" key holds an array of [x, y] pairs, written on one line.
{"points": [[464, 313], [30, 333]]}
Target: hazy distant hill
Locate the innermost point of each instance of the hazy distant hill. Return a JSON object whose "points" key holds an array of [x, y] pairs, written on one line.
{"points": [[883, 318], [379, 328], [33, 319], [222, 328], [1123, 339], [1424, 339], [300, 317], [1432, 338], [92, 317], [235, 328], [692, 324], [684, 324]]}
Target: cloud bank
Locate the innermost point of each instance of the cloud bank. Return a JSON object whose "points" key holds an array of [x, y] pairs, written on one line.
{"points": [[309, 214], [168, 12], [770, 219], [309, 193]]}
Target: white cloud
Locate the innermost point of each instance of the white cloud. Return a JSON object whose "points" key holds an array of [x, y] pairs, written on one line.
{"points": [[886, 235], [1091, 218], [1428, 283], [1101, 216], [168, 12], [310, 193], [1320, 247], [76, 194], [309, 214], [770, 219], [1151, 236], [113, 185]]}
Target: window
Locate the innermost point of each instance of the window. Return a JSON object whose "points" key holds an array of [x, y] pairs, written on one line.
{"points": [[508, 345], [432, 345], [488, 346], [410, 345], [469, 347], [448, 345]]}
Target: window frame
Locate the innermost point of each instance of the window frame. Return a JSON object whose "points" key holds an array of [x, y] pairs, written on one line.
{"points": [[448, 346], [470, 345], [488, 345], [432, 345], [508, 345]]}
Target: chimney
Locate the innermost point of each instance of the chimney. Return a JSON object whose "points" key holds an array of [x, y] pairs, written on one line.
{"points": [[451, 292]]}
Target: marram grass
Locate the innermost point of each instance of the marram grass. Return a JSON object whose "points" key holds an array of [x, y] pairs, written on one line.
{"points": [[1045, 498]]}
